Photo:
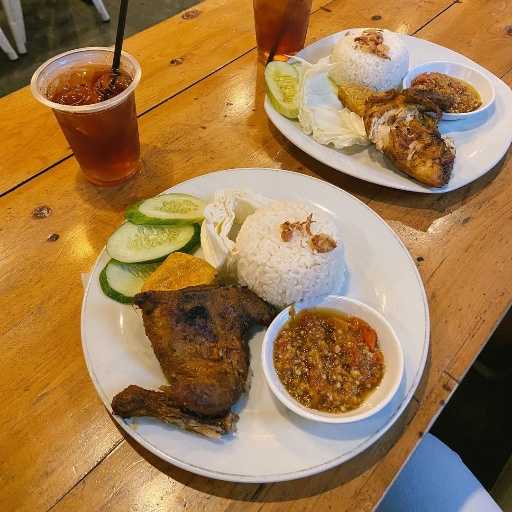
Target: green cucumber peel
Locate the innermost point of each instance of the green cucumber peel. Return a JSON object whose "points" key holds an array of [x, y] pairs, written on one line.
{"points": [[135, 214]]}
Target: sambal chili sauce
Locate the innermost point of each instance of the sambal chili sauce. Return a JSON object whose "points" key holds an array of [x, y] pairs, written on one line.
{"points": [[328, 361]]}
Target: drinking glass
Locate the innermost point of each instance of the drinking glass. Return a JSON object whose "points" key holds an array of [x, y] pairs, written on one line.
{"points": [[104, 136], [281, 27]]}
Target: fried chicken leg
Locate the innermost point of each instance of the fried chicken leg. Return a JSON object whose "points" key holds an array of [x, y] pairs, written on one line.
{"points": [[137, 401], [197, 335]]}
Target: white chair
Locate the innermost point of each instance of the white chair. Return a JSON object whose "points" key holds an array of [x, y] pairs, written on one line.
{"points": [[100, 7], [14, 14], [436, 480], [5, 45]]}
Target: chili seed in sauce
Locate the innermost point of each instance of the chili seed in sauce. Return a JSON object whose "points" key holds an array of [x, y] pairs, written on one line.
{"points": [[328, 361]]}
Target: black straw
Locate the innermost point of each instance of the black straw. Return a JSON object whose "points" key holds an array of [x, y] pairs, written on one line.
{"points": [[121, 22]]}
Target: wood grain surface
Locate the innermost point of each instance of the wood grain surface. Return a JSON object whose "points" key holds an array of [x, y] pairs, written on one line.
{"points": [[174, 55], [476, 28], [221, 33], [59, 448]]}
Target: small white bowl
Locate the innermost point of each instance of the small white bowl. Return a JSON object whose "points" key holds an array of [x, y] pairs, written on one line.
{"points": [[477, 79], [389, 345]]}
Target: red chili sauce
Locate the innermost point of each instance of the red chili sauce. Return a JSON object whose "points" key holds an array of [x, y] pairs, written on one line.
{"points": [[328, 361]]}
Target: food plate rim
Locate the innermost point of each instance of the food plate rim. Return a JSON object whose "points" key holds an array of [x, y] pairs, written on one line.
{"points": [[273, 477]]}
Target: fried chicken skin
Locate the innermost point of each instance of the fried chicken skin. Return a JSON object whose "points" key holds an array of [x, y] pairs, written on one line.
{"points": [[404, 127]]}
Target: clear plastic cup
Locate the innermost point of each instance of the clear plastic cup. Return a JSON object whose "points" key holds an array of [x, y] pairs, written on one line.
{"points": [[281, 27], [104, 136]]}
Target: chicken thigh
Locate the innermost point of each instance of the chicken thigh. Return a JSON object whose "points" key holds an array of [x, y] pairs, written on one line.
{"points": [[197, 335]]}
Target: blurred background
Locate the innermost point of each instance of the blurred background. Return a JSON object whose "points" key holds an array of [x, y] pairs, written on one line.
{"points": [[55, 26]]}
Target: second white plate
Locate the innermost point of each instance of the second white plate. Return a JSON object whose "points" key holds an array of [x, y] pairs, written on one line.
{"points": [[480, 141]]}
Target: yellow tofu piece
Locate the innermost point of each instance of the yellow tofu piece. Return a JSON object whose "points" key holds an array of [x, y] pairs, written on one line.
{"points": [[354, 97], [180, 270]]}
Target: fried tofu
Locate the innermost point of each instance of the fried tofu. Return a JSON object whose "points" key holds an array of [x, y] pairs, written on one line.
{"points": [[354, 96], [179, 271]]}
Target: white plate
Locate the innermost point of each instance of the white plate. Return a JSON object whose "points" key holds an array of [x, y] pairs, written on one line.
{"points": [[272, 443], [480, 141]]}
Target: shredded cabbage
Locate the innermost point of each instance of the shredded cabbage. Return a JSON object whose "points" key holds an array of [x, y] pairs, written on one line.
{"points": [[229, 209], [321, 113]]}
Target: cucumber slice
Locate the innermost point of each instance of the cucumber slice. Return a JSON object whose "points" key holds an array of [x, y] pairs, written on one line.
{"points": [[174, 209], [282, 80], [121, 281], [132, 243]]}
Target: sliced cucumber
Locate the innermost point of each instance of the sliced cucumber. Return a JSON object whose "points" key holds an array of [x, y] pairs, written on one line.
{"points": [[167, 209], [121, 281], [132, 243], [282, 80]]}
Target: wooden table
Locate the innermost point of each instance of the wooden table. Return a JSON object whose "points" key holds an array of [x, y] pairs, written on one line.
{"points": [[200, 106]]}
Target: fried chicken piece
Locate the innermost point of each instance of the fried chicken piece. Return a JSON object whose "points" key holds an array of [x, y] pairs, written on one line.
{"points": [[137, 401], [197, 335], [403, 126]]}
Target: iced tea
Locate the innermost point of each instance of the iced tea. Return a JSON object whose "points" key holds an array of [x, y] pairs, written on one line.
{"points": [[95, 109], [105, 143], [281, 26]]}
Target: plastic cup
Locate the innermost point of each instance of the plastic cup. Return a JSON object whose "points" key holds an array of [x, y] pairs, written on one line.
{"points": [[104, 136]]}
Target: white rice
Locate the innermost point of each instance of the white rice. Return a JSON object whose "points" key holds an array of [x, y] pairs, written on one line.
{"points": [[283, 273], [355, 66]]}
